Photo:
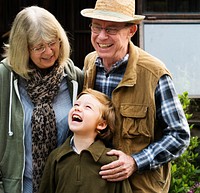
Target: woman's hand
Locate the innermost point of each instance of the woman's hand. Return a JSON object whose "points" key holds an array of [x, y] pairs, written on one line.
{"points": [[120, 169]]}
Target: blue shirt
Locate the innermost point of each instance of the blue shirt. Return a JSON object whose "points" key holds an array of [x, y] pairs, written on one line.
{"points": [[168, 111], [61, 105]]}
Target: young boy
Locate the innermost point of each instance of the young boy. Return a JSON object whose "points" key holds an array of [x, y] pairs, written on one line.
{"points": [[74, 167]]}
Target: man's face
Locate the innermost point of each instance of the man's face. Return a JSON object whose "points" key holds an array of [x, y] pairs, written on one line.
{"points": [[110, 39]]}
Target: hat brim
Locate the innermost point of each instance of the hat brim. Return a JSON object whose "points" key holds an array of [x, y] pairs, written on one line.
{"points": [[111, 16]]}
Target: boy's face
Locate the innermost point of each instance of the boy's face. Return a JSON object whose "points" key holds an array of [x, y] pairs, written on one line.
{"points": [[85, 116]]}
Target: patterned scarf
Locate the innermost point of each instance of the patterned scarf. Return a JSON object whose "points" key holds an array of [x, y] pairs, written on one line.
{"points": [[42, 89]]}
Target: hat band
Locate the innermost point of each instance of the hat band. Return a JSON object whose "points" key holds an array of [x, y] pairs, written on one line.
{"points": [[113, 15]]}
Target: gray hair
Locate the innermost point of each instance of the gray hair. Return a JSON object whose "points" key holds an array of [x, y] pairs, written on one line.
{"points": [[31, 26]]}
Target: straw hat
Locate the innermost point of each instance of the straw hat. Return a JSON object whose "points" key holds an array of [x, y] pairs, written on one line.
{"points": [[114, 10]]}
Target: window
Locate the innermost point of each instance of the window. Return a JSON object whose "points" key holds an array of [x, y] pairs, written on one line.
{"points": [[176, 43], [169, 9], [170, 32], [171, 6]]}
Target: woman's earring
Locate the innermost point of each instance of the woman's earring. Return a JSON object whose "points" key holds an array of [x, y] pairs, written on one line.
{"points": [[98, 131]]}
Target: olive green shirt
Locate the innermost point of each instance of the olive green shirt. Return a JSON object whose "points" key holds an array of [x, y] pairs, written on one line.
{"points": [[69, 172]]}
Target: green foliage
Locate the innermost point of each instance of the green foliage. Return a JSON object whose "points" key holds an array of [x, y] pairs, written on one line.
{"points": [[185, 101], [185, 172]]}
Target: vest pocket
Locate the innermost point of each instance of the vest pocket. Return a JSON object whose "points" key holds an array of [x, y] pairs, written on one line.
{"points": [[134, 121]]}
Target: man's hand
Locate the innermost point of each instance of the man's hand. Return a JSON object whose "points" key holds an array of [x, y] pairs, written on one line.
{"points": [[120, 169]]}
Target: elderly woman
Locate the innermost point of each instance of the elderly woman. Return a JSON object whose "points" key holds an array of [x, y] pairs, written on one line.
{"points": [[38, 83]]}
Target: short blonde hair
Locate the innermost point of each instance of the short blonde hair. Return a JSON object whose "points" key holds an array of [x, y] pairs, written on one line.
{"points": [[108, 113], [31, 26]]}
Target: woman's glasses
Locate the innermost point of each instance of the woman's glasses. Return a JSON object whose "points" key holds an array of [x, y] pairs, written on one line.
{"points": [[42, 47]]}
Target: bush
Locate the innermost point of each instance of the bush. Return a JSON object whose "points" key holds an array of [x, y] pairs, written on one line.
{"points": [[185, 170]]}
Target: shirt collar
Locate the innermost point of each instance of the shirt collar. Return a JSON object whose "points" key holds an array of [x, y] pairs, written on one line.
{"points": [[96, 149], [72, 144], [99, 62]]}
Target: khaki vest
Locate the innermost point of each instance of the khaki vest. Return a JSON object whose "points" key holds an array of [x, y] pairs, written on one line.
{"points": [[134, 99]]}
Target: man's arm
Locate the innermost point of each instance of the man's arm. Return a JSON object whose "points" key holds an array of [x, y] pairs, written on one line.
{"points": [[176, 134]]}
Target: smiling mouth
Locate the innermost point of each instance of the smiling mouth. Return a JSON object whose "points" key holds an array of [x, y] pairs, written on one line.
{"points": [[76, 118], [48, 58], [105, 45]]}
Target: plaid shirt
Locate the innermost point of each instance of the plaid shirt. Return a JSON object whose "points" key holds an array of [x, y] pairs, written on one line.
{"points": [[168, 111], [106, 82]]}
